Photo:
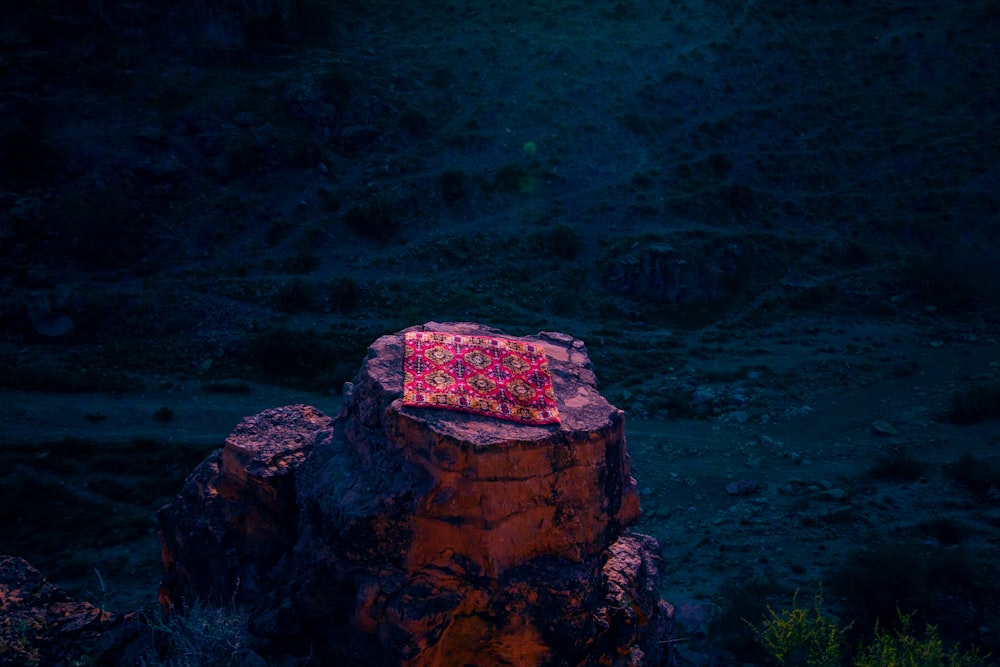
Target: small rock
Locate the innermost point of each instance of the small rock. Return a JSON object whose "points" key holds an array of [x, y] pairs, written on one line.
{"points": [[694, 618], [742, 487], [837, 495], [738, 417], [838, 514], [882, 427], [245, 119]]}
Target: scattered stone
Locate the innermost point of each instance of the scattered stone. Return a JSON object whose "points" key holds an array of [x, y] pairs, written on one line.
{"points": [[839, 514], [837, 495], [46, 317], [694, 618], [883, 428], [738, 417], [742, 487]]}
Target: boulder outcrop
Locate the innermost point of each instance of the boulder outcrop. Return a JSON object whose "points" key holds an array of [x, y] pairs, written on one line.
{"points": [[41, 625], [226, 533], [396, 535]]}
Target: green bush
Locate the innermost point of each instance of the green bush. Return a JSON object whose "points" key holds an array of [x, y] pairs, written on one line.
{"points": [[806, 637], [802, 636], [905, 648]]}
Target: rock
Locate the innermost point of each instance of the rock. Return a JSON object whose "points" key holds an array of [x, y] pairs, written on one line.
{"points": [[837, 495], [882, 428], [692, 273], [41, 625], [46, 319], [421, 537], [742, 487], [839, 514], [694, 618], [235, 518]]}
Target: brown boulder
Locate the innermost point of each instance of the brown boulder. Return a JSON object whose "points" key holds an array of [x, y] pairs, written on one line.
{"points": [[226, 533], [41, 625], [420, 536]]}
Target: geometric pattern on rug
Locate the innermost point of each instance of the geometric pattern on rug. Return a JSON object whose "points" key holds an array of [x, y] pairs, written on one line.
{"points": [[483, 375]]}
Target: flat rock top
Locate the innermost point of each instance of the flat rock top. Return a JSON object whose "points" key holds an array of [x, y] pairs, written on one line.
{"points": [[581, 405]]}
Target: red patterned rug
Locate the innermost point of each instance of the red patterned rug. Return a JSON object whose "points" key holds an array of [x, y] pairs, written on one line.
{"points": [[484, 375]]}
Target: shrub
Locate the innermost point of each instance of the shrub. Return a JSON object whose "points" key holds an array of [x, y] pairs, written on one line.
{"points": [[905, 649], [896, 465], [305, 359], [512, 179], [344, 294], [227, 387], [974, 404], [976, 474], [955, 279], [946, 530], [742, 600], [562, 242], [163, 414], [452, 185], [800, 636], [877, 583], [303, 261], [414, 122], [297, 296], [203, 636], [797, 636], [373, 218]]}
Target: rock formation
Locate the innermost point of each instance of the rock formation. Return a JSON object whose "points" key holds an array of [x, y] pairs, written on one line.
{"points": [[41, 625], [411, 536], [235, 518]]}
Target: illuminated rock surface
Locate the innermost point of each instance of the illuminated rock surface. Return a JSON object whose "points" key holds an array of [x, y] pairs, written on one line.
{"points": [[427, 537]]}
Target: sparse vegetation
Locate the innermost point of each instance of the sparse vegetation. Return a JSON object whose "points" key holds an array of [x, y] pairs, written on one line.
{"points": [[800, 636], [897, 465], [452, 184], [909, 647], [975, 403], [878, 582], [512, 179], [745, 603], [561, 242], [946, 531], [227, 387], [163, 413], [307, 359], [373, 218], [202, 636], [979, 475], [61, 500]]}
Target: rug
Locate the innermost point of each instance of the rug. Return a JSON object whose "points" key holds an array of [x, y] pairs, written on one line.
{"points": [[484, 375]]}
